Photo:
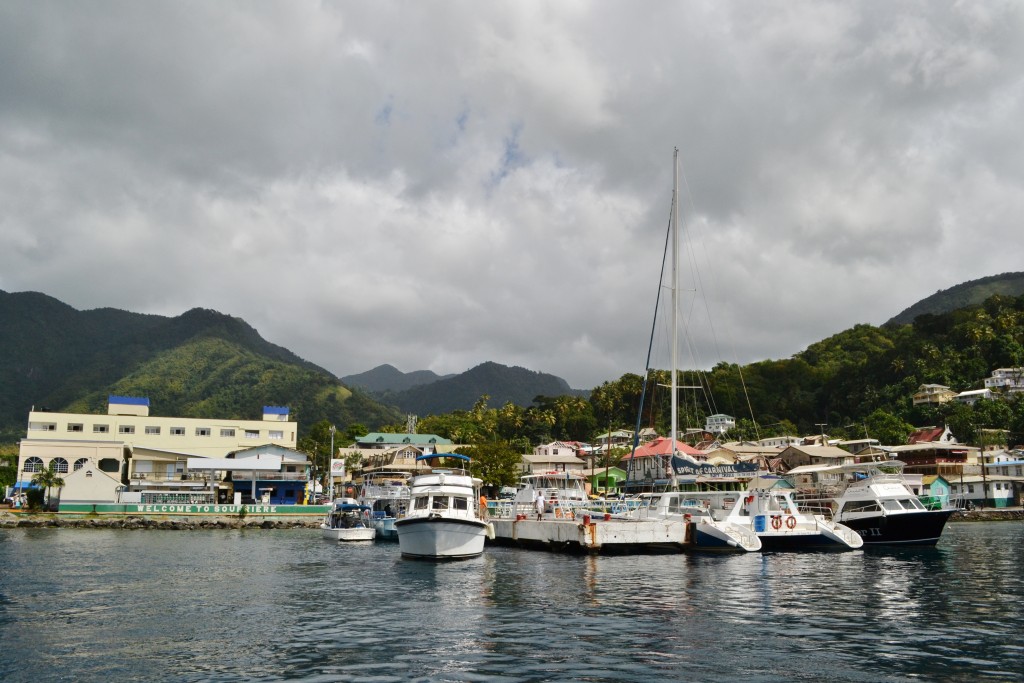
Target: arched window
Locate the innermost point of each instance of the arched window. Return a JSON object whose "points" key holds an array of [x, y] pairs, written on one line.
{"points": [[59, 465], [33, 464], [80, 463]]}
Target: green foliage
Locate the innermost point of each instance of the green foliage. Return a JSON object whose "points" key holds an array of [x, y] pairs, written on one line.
{"points": [[497, 464]]}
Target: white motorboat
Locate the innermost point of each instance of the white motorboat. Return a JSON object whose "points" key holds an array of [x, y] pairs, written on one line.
{"points": [[773, 515], [873, 499], [443, 521], [347, 520], [387, 494], [562, 494], [708, 533]]}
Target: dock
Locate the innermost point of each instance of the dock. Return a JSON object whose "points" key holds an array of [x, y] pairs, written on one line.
{"points": [[593, 535]]}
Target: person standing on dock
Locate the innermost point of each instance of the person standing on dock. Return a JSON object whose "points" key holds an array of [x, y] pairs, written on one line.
{"points": [[539, 502]]}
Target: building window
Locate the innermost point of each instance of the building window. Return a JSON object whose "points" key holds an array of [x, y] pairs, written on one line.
{"points": [[202, 431], [33, 464], [126, 429], [252, 433], [273, 434], [80, 463], [76, 427], [100, 429], [42, 426], [59, 465], [152, 431], [227, 433], [177, 431]]}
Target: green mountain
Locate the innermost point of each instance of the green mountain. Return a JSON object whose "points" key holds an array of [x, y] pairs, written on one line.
{"points": [[199, 364], [970, 293], [501, 383], [389, 378]]}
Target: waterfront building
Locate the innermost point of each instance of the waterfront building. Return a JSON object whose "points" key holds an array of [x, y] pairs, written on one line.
{"points": [[797, 456], [1009, 380], [143, 452]]}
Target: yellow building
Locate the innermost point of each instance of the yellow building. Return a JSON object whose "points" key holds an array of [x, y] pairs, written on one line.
{"points": [[131, 446]]}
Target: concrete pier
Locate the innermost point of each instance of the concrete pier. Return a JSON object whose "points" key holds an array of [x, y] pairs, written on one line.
{"points": [[593, 535]]}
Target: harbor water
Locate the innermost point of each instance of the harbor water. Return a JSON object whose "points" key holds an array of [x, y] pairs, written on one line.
{"points": [[270, 605]]}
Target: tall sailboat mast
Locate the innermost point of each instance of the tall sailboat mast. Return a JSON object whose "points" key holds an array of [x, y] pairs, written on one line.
{"points": [[675, 303]]}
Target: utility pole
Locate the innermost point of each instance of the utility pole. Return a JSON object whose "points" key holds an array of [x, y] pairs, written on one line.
{"points": [[984, 477]]}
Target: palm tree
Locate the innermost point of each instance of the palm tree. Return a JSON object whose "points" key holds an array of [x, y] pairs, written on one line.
{"points": [[47, 478]]}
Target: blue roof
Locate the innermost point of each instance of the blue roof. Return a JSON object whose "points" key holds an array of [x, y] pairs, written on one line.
{"points": [[432, 456], [275, 410], [128, 400]]}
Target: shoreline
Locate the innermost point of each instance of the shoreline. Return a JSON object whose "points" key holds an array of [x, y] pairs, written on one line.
{"points": [[23, 520]]}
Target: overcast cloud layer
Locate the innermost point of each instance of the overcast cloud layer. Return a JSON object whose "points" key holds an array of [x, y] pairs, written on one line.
{"points": [[435, 185]]}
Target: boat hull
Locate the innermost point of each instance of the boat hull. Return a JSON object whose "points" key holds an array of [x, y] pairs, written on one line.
{"points": [[800, 541], [350, 534], [915, 528], [386, 530], [441, 538]]}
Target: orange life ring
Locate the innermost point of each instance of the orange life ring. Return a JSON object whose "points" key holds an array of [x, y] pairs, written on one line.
{"points": [[790, 522], [776, 522]]}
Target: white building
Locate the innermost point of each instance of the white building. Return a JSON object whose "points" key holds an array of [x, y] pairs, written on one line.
{"points": [[1010, 380], [129, 445], [719, 423], [973, 396]]}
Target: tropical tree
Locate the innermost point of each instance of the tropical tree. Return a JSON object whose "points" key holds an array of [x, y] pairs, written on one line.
{"points": [[497, 464], [47, 479]]}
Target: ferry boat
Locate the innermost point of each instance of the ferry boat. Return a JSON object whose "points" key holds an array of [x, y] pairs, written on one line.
{"points": [[561, 494], [347, 521], [443, 521]]}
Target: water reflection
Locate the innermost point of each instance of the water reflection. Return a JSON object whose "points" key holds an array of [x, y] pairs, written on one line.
{"points": [[283, 604]]}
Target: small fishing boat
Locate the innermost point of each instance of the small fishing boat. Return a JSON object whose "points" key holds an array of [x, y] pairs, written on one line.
{"points": [[443, 521], [347, 521]]}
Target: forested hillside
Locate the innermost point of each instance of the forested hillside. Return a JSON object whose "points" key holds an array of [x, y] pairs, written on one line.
{"points": [[971, 293], [201, 363]]}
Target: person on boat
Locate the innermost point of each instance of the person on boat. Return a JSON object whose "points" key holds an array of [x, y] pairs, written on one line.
{"points": [[483, 506], [539, 502]]}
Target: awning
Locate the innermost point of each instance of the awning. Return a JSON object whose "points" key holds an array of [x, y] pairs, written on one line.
{"points": [[23, 485]]}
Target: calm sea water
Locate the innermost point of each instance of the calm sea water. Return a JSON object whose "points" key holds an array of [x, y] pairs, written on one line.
{"points": [[268, 605]]}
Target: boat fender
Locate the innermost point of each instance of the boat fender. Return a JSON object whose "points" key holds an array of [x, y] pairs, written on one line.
{"points": [[790, 522], [490, 531], [776, 522]]}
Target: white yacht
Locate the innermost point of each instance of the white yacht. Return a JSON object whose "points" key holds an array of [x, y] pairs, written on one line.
{"points": [[443, 521], [874, 500]]}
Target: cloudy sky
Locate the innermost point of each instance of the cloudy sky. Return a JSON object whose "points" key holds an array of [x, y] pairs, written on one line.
{"points": [[438, 184]]}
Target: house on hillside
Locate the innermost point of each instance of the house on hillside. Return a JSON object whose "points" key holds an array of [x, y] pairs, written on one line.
{"points": [[1008, 380], [973, 396], [933, 394], [720, 423]]}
